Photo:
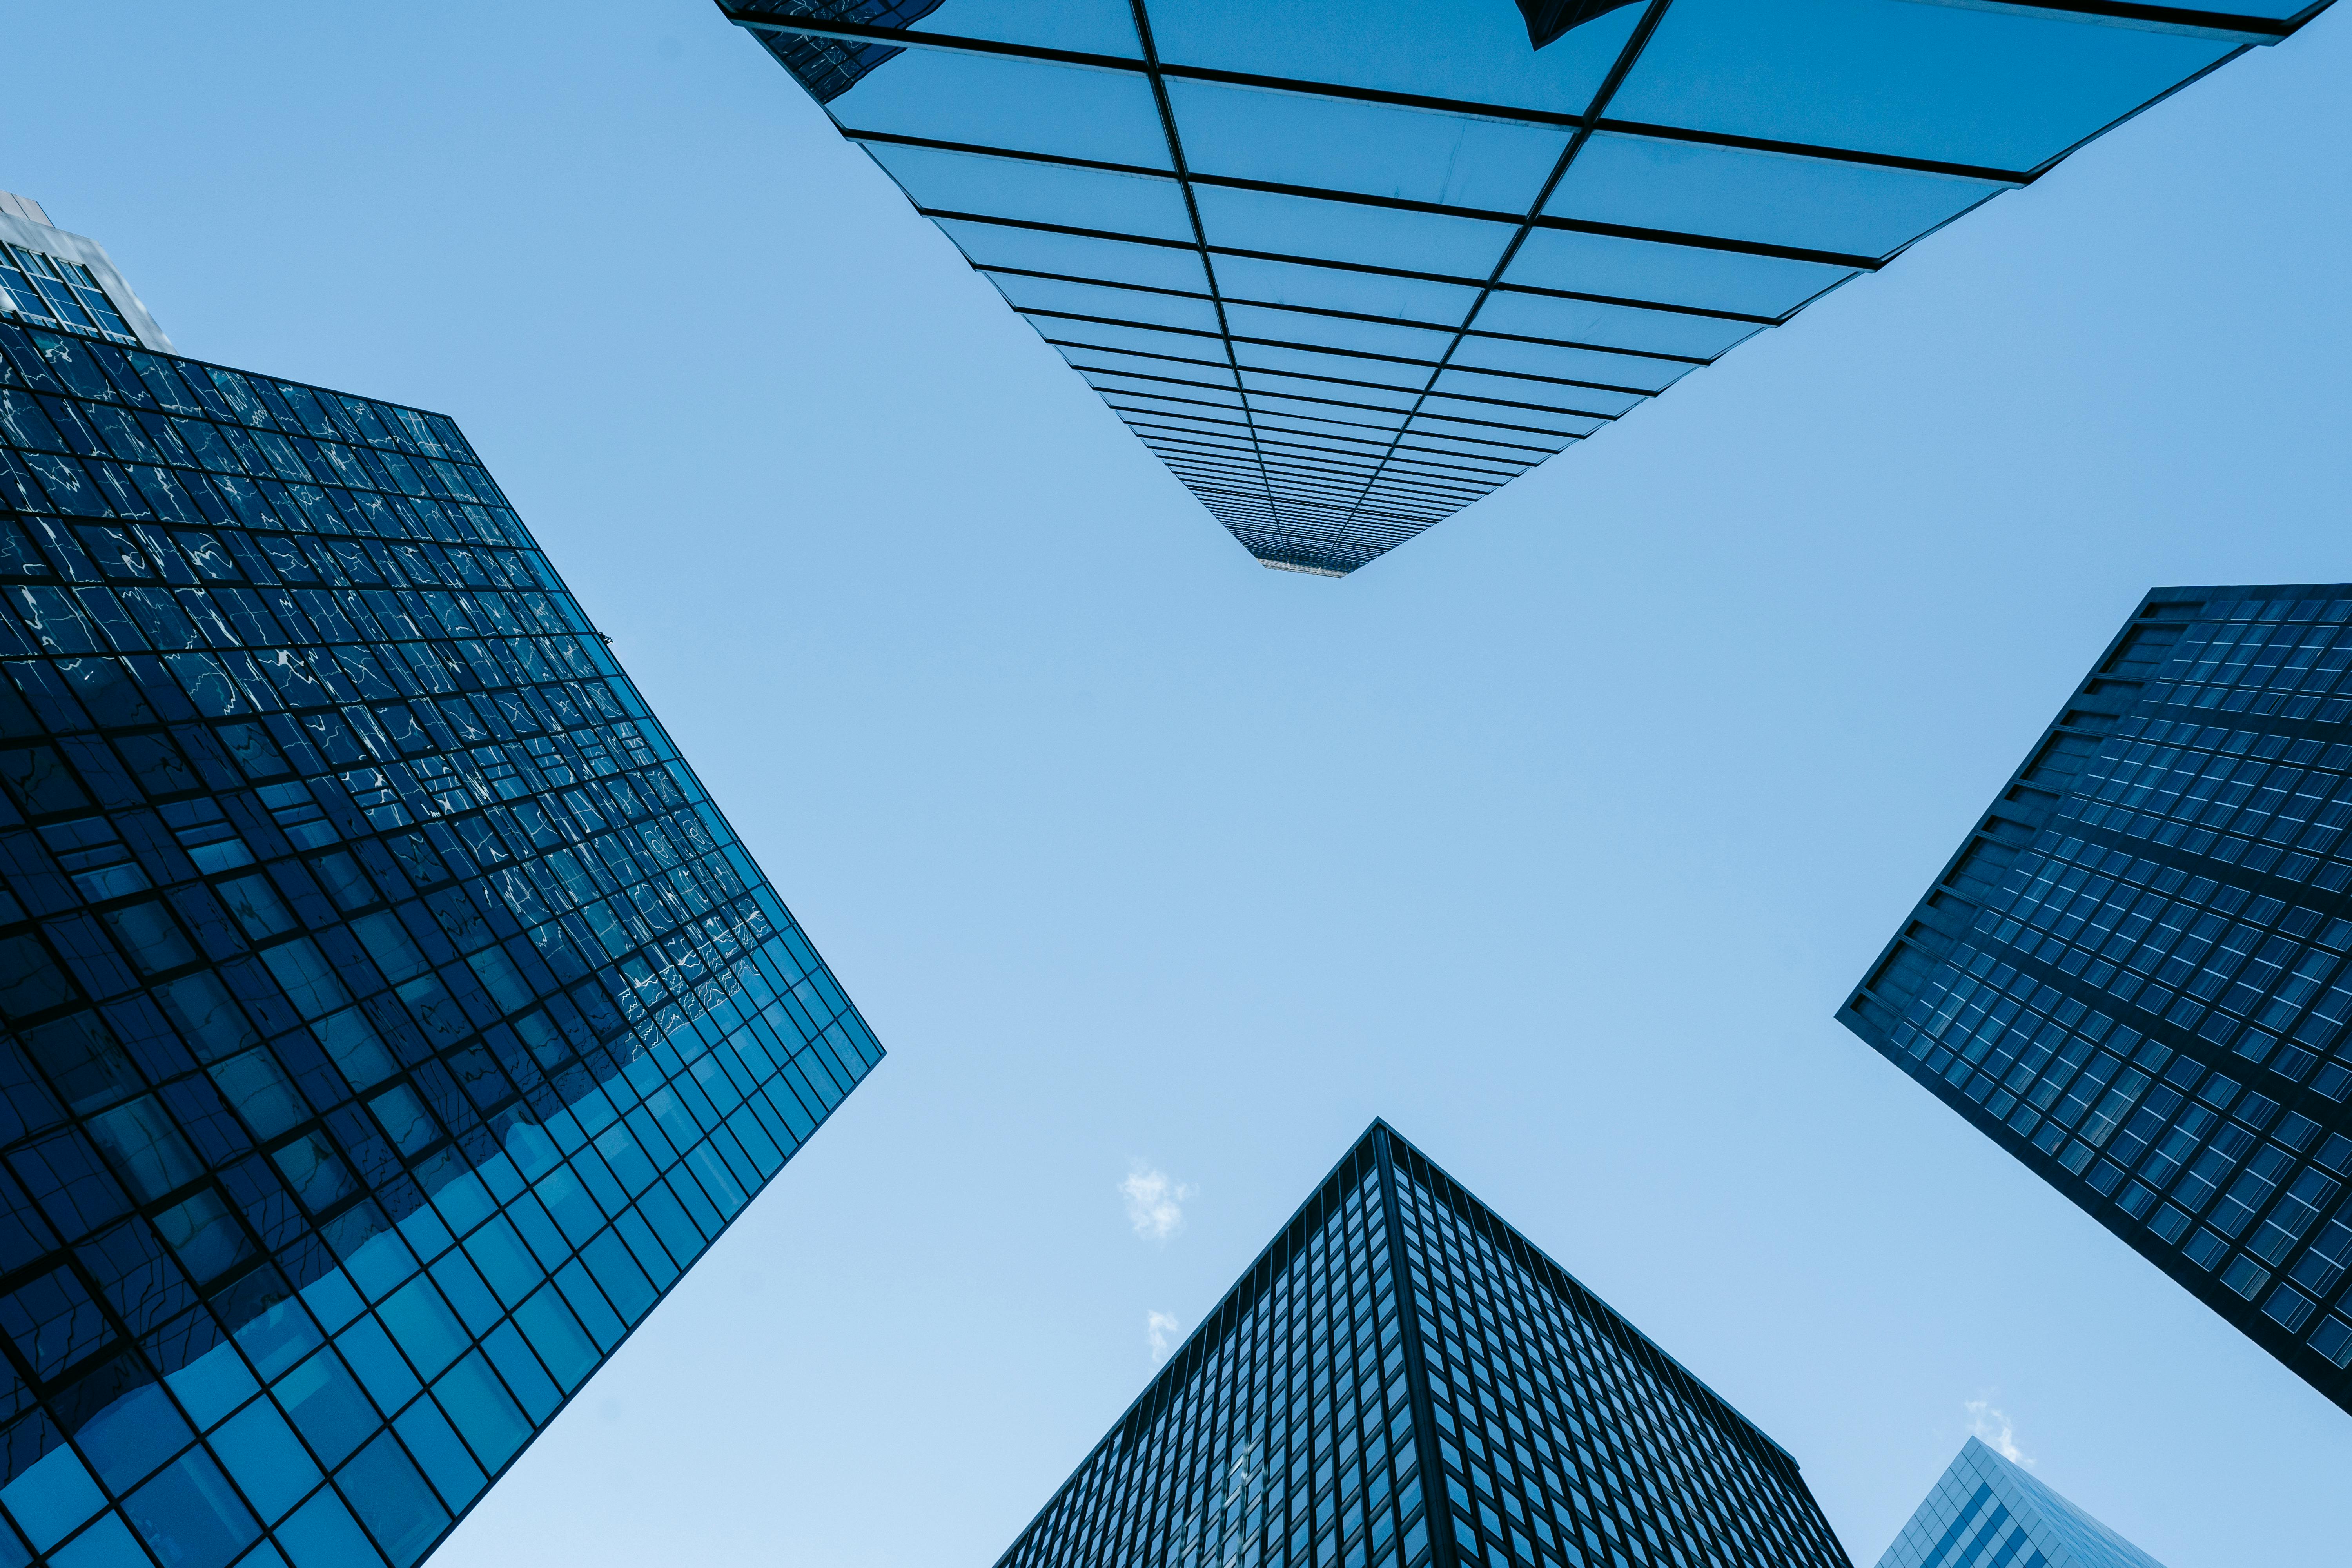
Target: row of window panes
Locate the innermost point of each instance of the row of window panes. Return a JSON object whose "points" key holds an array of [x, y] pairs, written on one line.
{"points": [[1614, 1424], [36, 284], [2013, 1045], [1293, 1431]]}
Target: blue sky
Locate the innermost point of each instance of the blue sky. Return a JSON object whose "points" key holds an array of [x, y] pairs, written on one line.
{"points": [[1556, 836]]}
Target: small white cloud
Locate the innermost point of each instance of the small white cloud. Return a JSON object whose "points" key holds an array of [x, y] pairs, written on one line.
{"points": [[1162, 1331], [1155, 1204], [1992, 1428]]}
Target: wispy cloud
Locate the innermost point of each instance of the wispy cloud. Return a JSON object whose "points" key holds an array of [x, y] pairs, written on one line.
{"points": [[1155, 1204], [1162, 1331], [1993, 1429]]}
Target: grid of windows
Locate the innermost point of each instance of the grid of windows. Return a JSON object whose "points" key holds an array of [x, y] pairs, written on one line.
{"points": [[2135, 975], [1347, 266], [1401, 1379], [1985, 1512], [54, 292], [391, 1017]]}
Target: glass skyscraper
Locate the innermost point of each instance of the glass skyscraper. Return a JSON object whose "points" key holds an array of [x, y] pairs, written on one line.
{"points": [[1346, 266], [2132, 976], [391, 1018], [1402, 1379], [1985, 1512]]}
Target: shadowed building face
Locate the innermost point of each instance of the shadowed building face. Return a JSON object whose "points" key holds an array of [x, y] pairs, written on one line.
{"points": [[2132, 976], [391, 1018]]}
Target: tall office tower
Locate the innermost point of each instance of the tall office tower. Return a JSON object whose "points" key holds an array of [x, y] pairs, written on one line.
{"points": [[390, 1019], [1402, 1379], [2131, 976], [1985, 1512], [1346, 266]]}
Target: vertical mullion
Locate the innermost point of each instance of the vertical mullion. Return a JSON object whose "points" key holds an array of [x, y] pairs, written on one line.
{"points": [[1443, 1553], [1200, 244]]}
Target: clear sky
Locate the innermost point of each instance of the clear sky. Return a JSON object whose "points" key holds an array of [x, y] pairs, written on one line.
{"points": [[1556, 837]]}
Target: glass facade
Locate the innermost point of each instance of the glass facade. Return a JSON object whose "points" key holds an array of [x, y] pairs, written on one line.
{"points": [[1985, 1512], [1349, 265], [2132, 977], [390, 1019], [1402, 1379]]}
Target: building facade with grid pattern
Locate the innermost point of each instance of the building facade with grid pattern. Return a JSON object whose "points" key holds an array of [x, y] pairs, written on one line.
{"points": [[390, 1019], [1402, 1379], [1986, 1511], [2133, 976], [1346, 266]]}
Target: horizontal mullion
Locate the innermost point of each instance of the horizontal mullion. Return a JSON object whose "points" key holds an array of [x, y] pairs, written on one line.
{"points": [[1293, 486], [1000, 221], [1407, 490], [1455, 327], [867, 33], [1259, 441], [1405, 204], [2220, 24], [1469, 398], [1141, 354], [1226, 386], [2259, 28], [1249, 420], [1317, 438], [1580, 226], [989, 150], [1292, 475], [1403, 413], [1404, 490]]}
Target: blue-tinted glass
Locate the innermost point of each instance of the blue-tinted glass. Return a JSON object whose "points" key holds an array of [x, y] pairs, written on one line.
{"points": [[1022, 106], [2140, 987], [1337, 331], [446, 990], [434, 1444], [1093, 300], [322, 1534], [51, 1497], [1338, 288], [393, 1502], [269, 1462], [1038, 192], [1644, 270], [1342, 1368], [191, 1516], [1463, 50], [1962, 84], [1077, 255], [1292, 140], [1569, 364], [131, 1437], [1348, 231], [1985, 1509], [1770, 198], [1886, 119], [106, 1545], [1332, 367], [1081, 26], [1619, 326]]}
